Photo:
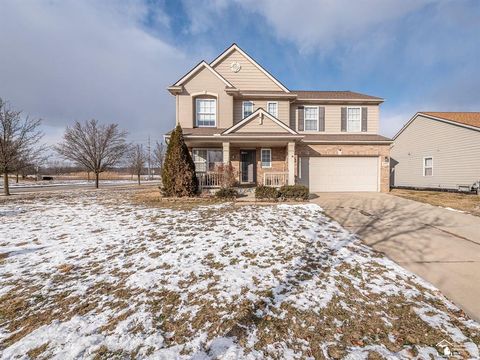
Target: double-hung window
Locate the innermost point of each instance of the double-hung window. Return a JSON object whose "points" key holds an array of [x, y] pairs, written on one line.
{"points": [[311, 118], [206, 112], [266, 157], [247, 108], [207, 159], [428, 166], [354, 119], [272, 108]]}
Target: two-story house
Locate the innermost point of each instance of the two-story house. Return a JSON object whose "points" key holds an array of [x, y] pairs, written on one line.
{"points": [[233, 111]]}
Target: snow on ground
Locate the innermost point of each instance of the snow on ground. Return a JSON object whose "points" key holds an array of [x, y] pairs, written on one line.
{"points": [[94, 275], [51, 183]]}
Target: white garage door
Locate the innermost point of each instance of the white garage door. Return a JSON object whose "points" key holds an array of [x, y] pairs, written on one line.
{"points": [[339, 173]]}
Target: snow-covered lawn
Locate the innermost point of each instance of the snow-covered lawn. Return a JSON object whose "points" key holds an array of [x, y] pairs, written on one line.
{"points": [[94, 275]]}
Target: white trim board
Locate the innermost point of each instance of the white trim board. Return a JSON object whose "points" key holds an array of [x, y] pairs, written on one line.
{"points": [[257, 65], [198, 67], [259, 111]]}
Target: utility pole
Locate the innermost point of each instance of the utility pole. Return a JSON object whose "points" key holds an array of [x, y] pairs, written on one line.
{"points": [[149, 172]]}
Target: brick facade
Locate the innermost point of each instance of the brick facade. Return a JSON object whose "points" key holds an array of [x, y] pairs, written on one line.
{"points": [[279, 161], [352, 150]]}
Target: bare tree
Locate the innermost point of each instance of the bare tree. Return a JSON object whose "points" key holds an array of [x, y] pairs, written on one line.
{"points": [[30, 161], [159, 155], [93, 146], [19, 139], [136, 160]]}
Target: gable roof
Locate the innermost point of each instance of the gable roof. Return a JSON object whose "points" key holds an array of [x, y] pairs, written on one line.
{"points": [[465, 118], [252, 116], [200, 65], [469, 120], [333, 95], [249, 58]]}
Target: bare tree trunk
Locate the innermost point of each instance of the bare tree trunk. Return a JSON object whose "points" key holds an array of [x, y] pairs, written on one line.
{"points": [[138, 179], [16, 178], [96, 179], [88, 176], [6, 189]]}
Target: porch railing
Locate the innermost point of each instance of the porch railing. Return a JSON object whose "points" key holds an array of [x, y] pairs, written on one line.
{"points": [[209, 179], [275, 179]]}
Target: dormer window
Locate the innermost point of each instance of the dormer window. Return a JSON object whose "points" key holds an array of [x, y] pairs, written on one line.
{"points": [[247, 108], [206, 112]]}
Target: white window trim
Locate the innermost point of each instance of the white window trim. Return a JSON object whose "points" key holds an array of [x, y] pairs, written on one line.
{"points": [[261, 158], [360, 109], [197, 107], [272, 102], [207, 160], [318, 117], [431, 167], [243, 108]]}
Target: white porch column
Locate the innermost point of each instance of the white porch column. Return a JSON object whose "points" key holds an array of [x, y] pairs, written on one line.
{"points": [[291, 163], [226, 153]]}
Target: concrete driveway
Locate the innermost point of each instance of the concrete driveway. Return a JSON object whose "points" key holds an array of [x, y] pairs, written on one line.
{"points": [[440, 245]]}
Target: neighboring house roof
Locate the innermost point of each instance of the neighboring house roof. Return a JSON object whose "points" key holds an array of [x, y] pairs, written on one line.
{"points": [[333, 95], [199, 66], [346, 138], [259, 112], [237, 48], [465, 118], [469, 120]]}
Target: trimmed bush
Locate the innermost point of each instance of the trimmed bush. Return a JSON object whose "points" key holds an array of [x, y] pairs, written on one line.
{"points": [[266, 192], [294, 192], [226, 193], [178, 172]]}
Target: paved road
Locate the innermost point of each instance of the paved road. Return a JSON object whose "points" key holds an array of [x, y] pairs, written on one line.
{"points": [[65, 187], [440, 245]]}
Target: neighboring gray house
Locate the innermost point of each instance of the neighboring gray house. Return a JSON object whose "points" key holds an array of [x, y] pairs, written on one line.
{"points": [[437, 150]]}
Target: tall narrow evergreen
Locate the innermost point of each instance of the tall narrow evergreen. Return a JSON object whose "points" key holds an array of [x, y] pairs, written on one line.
{"points": [[178, 173]]}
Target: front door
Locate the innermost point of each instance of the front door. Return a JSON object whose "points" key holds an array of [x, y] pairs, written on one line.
{"points": [[247, 167]]}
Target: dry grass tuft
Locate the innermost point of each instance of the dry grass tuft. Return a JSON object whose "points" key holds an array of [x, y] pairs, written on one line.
{"points": [[65, 268], [35, 353]]}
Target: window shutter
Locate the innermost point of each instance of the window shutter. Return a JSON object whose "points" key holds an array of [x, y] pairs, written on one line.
{"points": [[364, 119], [344, 119], [300, 117], [321, 118]]}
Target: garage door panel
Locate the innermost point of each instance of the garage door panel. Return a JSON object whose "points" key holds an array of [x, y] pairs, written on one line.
{"points": [[337, 174]]}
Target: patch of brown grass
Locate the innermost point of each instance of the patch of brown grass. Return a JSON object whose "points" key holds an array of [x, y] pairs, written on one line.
{"points": [[65, 268], [152, 197], [465, 202], [36, 352]]}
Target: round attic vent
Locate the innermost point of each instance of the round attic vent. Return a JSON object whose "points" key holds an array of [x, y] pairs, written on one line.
{"points": [[235, 66]]}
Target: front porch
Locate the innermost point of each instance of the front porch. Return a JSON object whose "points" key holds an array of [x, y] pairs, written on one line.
{"points": [[271, 164]]}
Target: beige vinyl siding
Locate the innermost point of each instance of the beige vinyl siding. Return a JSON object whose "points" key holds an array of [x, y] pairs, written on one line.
{"points": [[283, 109], [333, 117], [455, 151], [248, 78], [265, 126], [204, 81]]}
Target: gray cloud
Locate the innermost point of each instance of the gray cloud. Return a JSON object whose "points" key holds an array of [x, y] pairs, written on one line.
{"points": [[75, 60]]}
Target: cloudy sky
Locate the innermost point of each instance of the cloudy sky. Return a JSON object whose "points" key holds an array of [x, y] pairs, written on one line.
{"points": [[66, 60]]}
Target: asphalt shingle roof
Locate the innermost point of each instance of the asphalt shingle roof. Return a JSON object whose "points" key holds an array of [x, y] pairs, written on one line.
{"points": [[465, 118]]}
